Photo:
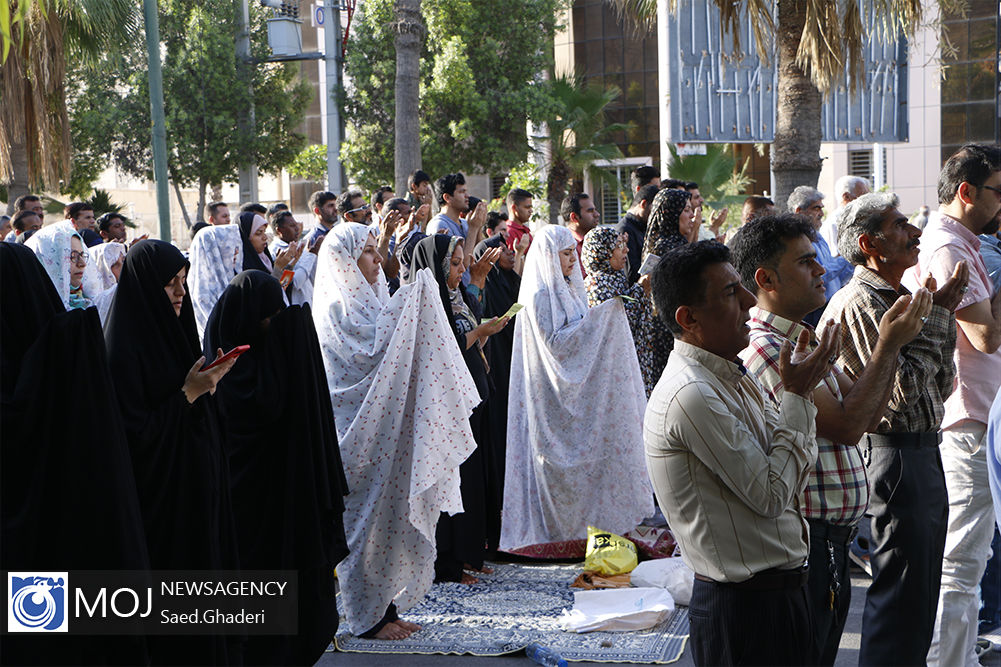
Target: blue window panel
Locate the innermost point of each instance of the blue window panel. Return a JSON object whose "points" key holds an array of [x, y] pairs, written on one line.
{"points": [[715, 97]]}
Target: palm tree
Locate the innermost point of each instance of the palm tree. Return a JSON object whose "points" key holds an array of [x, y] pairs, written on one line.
{"points": [[37, 36], [409, 32], [817, 41], [578, 135]]}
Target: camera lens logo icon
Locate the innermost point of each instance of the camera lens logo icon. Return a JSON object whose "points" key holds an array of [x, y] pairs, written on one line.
{"points": [[36, 601]]}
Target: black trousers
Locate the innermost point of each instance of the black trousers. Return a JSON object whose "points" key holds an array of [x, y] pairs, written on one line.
{"points": [[735, 626], [829, 586], [910, 510]]}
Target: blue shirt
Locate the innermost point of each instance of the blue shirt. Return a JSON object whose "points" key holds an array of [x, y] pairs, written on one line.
{"points": [[990, 250], [838, 270], [459, 228], [315, 233], [993, 444]]}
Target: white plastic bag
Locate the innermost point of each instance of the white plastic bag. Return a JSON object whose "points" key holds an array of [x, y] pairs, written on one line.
{"points": [[617, 609], [669, 573]]}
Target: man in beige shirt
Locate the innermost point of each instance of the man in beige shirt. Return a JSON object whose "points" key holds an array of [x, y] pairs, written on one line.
{"points": [[728, 469]]}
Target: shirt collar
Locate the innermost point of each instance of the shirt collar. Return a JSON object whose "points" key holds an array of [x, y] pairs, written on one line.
{"points": [[990, 239], [956, 228], [635, 221], [876, 281], [517, 225], [780, 325], [715, 364]]}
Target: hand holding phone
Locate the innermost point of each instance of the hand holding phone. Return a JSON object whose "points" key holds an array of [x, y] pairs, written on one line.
{"points": [[232, 354]]}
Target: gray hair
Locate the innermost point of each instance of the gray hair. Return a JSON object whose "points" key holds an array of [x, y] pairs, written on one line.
{"points": [[862, 216], [849, 185], [803, 197]]}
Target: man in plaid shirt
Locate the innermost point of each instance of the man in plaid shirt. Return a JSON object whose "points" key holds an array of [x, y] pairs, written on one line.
{"points": [[778, 262], [909, 504]]}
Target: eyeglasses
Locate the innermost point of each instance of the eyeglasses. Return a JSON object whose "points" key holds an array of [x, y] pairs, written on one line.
{"points": [[991, 187], [355, 210], [79, 257]]}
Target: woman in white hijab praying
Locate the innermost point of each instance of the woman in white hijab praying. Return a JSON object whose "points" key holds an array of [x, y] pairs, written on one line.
{"points": [[575, 412], [402, 397], [216, 256], [107, 259], [68, 263]]}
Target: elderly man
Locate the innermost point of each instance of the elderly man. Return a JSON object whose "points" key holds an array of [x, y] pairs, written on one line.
{"points": [[969, 195], [908, 505], [728, 469], [776, 260], [847, 189], [809, 202]]}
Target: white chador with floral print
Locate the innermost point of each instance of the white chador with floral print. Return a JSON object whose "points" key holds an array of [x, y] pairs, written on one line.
{"points": [[575, 410], [402, 397]]}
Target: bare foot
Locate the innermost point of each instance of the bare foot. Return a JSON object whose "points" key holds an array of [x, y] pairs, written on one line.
{"points": [[407, 625], [482, 570], [392, 631], [469, 579]]}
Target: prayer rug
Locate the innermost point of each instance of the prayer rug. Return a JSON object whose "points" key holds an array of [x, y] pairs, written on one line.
{"points": [[515, 606]]}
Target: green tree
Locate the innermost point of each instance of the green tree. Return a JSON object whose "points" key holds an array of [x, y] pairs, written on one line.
{"points": [[38, 37], [816, 42], [479, 85], [202, 98], [578, 135]]}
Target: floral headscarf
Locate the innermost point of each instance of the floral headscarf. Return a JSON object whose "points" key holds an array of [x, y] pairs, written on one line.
{"points": [[52, 246], [662, 232]]}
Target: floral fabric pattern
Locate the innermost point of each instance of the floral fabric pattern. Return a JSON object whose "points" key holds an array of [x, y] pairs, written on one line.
{"points": [[216, 256]]}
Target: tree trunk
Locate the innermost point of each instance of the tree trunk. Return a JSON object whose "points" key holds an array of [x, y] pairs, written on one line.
{"points": [[409, 32], [19, 165], [180, 202], [556, 189], [796, 149], [200, 212]]}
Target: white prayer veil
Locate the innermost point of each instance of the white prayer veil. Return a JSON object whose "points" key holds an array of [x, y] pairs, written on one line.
{"points": [[51, 244], [103, 257], [575, 410], [216, 256], [401, 396]]}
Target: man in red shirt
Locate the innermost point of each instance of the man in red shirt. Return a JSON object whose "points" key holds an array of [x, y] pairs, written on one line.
{"points": [[519, 209]]}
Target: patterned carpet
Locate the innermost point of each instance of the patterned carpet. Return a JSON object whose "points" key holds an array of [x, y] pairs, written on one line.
{"points": [[513, 607]]}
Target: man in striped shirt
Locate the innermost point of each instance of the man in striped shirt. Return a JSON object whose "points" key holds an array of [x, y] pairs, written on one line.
{"points": [[777, 261]]}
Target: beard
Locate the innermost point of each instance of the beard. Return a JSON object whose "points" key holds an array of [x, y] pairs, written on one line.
{"points": [[992, 227]]}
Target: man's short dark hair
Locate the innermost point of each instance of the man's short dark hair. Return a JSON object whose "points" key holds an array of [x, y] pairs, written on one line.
{"points": [[395, 204], [197, 227], [973, 164], [641, 176], [677, 279], [517, 195], [319, 198], [275, 208], [756, 203], [21, 202], [691, 185], [761, 242], [278, 218], [344, 201], [260, 209], [18, 222], [212, 207], [494, 218], [645, 193], [446, 185], [379, 196], [74, 209], [672, 183], [105, 220], [416, 178], [571, 204]]}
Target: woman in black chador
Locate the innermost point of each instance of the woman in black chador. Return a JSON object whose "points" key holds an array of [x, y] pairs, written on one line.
{"points": [[173, 432], [462, 539], [69, 497], [286, 480]]}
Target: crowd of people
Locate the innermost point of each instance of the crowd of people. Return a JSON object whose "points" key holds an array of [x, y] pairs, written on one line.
{"points": [[772, 389]]}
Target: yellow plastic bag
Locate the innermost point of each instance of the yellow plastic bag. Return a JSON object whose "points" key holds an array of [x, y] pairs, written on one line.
{"points": [[609, 553]]}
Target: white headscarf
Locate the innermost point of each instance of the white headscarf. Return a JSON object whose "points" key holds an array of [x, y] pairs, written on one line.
{"points": [[402, 396], [570, 465], [103, 257], [216, 256], [52, 246]]}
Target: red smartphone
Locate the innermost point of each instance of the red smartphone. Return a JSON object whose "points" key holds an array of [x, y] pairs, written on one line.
{"points": [[232, 354], [286, 278]]}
